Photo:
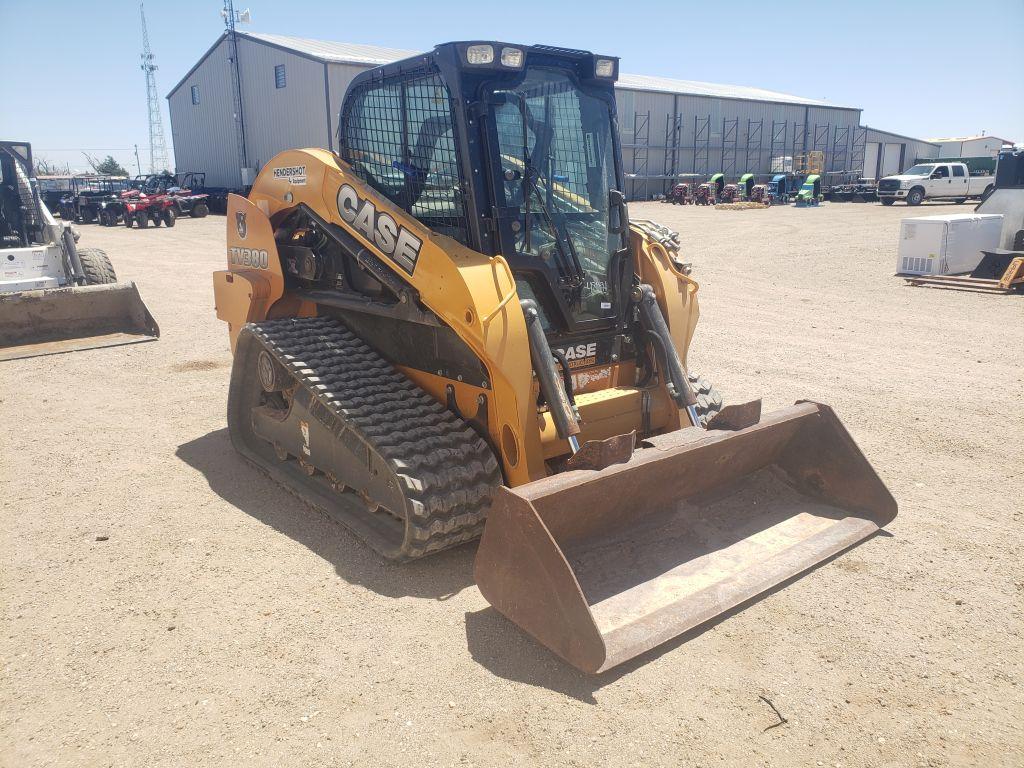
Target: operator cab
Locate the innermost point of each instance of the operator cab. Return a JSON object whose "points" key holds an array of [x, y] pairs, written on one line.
{"points": [[510, 150]]}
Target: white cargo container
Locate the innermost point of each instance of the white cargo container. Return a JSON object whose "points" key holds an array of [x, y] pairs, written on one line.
{"points": [[946, 245]]}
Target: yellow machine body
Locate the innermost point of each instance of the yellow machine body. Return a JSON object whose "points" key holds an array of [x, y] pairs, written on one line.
{"points": [[472, 294]]}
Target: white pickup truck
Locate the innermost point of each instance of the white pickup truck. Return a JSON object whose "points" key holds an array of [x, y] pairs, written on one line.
{"points": [[933, 181]]}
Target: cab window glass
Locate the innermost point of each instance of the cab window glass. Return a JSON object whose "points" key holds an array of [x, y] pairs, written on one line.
{"points": [[399, 138], [958, 171]]}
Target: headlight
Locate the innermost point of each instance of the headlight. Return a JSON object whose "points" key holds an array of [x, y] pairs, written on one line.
{"points": [[604, 67], [511, 57], [480, 54]]}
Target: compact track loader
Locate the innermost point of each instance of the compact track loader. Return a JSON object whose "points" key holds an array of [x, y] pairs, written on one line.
{"points": [[452, 328], [54, 296]]}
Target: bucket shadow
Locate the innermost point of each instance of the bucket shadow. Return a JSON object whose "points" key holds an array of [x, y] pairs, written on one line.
{"points": [[239, 483]]}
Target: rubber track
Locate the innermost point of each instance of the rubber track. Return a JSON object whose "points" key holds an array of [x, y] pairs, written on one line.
{"points": [[446, 470]]}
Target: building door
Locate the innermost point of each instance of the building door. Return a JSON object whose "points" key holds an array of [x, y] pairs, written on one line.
{"points": [[870, 160], [891, 159]]}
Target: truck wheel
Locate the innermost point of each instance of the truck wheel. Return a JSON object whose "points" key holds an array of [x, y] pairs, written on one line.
{"points": [[200, 210], [141, 219], [915, 197], [170, 217], [709, 400], [96, 266], [888, 200]]}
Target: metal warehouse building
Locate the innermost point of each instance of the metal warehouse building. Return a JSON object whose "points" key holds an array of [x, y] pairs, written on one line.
{"points": [[889, 153], [290, 91]]}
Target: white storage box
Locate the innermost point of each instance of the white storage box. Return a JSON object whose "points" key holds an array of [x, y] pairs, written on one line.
{"points": [[946, 245]]}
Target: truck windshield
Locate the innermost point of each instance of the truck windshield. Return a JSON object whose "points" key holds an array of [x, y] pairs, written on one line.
{"points": [[919, 170], [557, 168]]}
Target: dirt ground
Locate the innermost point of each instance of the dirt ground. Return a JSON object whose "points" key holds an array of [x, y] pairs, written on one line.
{"points": [[222, 622]]}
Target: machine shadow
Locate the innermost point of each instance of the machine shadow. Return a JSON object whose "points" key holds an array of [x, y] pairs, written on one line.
{"points": [[499, 646], [245, 487]]}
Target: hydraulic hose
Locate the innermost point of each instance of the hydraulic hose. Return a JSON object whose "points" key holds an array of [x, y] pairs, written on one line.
{"points": [[562, 411], [653, 321]]}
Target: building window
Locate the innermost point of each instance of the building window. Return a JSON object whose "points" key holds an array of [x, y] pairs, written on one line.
{"points": [[279, 77], [195, 94]]}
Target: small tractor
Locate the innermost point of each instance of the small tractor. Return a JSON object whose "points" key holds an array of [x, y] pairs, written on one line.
{"points": [[746, 184], [681, 194], [710, 192], [464, 334], [760, 193], [54, 296], [810, 191]]}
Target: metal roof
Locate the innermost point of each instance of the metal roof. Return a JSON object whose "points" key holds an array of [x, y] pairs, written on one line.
{"points": [[339, 53], [716, 90], [950, 139], [373, 55]]}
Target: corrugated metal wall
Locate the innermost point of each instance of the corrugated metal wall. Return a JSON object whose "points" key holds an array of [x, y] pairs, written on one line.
{"points": [[890, 153], [339, 76], [204, 133], [277, 119], [728, 135], [731, 136]]}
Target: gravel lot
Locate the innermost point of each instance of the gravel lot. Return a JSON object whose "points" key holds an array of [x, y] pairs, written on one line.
{"points": [[222, 622]]}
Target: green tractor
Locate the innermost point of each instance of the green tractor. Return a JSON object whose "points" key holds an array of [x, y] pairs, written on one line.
{"points": [[746, 186], [810, 191]]}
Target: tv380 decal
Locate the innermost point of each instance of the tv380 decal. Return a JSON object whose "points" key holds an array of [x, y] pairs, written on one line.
{"points": [[380, 228]]}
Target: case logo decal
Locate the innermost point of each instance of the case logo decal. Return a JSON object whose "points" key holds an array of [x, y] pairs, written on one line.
{"points": [[380, 228], [240, 224]]}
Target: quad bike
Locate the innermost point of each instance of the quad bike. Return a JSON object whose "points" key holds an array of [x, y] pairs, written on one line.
{"points": [[54, 296], [468, 336], [141, 209]]}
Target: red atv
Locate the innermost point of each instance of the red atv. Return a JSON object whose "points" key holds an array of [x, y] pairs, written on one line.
{"points": [[681, 194], [730, 193], [759, 194], [141, 209], [705, 194]]}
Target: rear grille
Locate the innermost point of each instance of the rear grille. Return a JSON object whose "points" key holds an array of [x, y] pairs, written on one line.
{"points": [[917, 264], [888, 185]]}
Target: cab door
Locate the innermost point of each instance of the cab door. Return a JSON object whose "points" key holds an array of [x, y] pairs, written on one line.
{"points": [[941, 182], [959, 181]]}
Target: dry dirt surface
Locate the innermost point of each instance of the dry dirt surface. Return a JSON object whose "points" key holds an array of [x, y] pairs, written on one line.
{"points": [[163, 604]]}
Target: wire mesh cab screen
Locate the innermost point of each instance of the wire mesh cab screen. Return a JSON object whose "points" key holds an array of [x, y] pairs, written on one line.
{"points": [[399, 137]]}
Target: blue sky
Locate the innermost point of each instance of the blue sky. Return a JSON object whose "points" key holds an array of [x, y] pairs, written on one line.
{"points": [[71, 78]]}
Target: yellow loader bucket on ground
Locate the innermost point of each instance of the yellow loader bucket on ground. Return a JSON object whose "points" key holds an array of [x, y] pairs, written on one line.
{"points": [[601, 566], [58, 320]]}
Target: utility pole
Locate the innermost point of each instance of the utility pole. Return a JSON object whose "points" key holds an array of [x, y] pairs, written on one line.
{"points": [[231, 18], [138, 163], [157, 145]]}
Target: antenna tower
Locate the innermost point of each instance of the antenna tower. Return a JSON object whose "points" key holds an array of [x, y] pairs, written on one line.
{"points": [[157, 145]]}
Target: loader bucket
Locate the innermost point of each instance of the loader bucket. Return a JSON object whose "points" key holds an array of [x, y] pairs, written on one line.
{"points": [[58, 320], [601, 566]]}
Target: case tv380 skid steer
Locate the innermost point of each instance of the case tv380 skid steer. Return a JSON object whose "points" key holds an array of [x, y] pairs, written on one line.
{"points": [[452, 328], [54, 296]]}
